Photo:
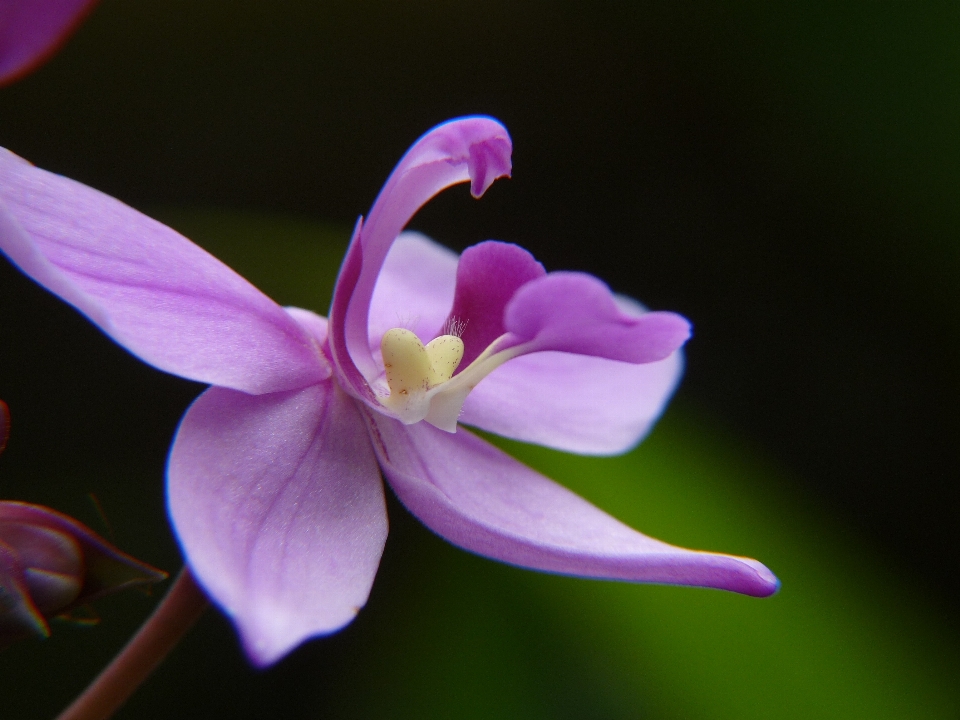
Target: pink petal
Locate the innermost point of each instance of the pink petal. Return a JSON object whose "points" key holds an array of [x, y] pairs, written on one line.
{"points": [[475, 149], [576, 403], [414, 290], [488, 276], [33, 30], [278, 503], [149, 288], [577, 313], [483, 500], [315, 325]]}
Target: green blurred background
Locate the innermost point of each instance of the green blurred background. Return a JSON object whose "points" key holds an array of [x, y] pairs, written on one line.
{"points": [[784, 175]]}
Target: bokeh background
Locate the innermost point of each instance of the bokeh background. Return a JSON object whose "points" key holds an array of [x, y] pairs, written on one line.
{"points": [[783, 174]]}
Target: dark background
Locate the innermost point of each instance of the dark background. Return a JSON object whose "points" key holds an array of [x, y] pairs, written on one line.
{"points": [[783, 176]]}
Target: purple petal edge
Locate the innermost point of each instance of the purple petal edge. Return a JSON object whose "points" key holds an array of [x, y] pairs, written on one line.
{"points": [[349, 375], [484, 501], [575, 312]]}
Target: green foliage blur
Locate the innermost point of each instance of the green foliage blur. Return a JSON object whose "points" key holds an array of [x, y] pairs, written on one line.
{"points": [[784, 175]]}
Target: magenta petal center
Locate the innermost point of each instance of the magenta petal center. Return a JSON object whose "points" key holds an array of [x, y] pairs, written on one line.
{"points": [[488, 275]]}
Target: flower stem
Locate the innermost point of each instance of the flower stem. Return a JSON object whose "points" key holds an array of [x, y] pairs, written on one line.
{"points": [[176, 613]]}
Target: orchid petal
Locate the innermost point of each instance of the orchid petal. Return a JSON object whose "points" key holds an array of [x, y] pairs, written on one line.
{"points": [[482, 500], [575, 312], [575, 403], [315, 325], [149, 288], [488, 276], [414, 290], [33, 30], [475, 149], [279, 506], [351, 379]]}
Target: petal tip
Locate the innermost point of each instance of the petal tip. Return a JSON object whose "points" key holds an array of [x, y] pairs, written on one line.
{"points": [[489, 161], [489, 149], [773, 586], [764, 582], [272, 639]]}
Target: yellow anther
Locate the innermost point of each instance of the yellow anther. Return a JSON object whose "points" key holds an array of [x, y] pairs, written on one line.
{"points": [[420, 379], [445, 354], [406, 364]]}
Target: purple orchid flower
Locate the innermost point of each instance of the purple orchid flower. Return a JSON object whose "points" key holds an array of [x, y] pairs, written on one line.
{"points": [[274, 478], [31, 32]]}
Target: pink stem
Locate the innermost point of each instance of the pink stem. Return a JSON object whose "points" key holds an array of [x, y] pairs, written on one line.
{"points": [[176, 613]]}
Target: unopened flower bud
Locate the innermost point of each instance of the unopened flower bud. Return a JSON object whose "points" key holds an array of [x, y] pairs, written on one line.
{"points": [[50, 564]]}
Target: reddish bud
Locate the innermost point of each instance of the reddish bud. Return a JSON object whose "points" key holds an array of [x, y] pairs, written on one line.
{"points": [[50, 564]]}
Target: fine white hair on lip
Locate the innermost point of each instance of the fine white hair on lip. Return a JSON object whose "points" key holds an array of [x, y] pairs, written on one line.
{"points": [[454, 326]]}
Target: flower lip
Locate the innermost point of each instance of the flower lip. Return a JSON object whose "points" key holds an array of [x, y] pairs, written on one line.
{"points": [[507, 306], [577, 313], [488, 276]]}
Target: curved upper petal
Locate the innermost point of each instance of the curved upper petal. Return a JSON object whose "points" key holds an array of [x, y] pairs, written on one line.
{"points": [[575, 312], [481, 499], [473, 148], [160, 296], [33, 30], [576, 403], [278, 503]]}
